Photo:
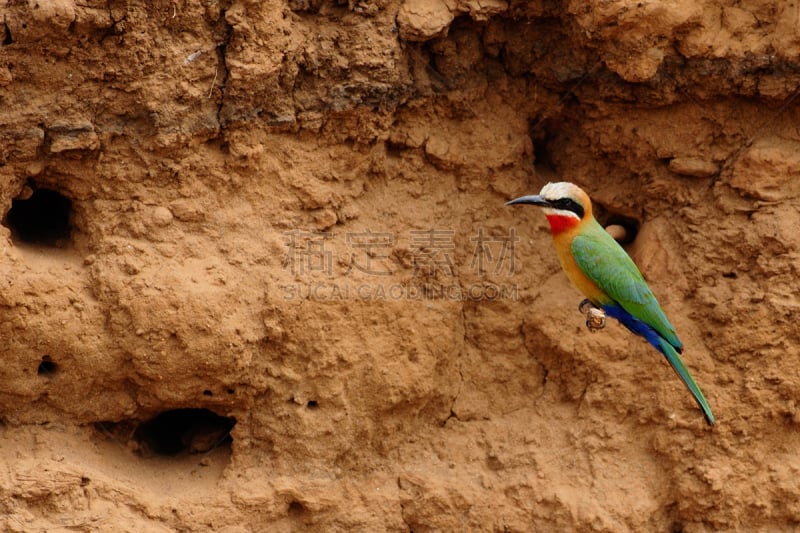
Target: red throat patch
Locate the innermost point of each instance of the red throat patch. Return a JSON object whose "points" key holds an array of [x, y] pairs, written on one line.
{"points": [[559, 223]]}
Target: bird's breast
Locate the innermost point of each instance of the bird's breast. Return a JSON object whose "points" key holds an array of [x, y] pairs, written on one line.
{"points": [[587, 287]]}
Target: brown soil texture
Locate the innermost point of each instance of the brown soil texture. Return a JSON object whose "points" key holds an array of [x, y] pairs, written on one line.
{"points": [[288, 215]]}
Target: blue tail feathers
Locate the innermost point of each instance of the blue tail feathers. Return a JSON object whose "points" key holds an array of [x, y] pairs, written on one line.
{"points": [[635, 325]]}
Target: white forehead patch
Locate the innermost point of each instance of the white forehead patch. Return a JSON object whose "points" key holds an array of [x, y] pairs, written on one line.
{"points": [[562, 189]]}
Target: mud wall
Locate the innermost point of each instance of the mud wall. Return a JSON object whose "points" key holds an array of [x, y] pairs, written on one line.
{"points": [[288, 216]]}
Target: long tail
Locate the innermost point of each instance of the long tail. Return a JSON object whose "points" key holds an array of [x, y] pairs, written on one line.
{"points": [[662, 345], [680, 368]]}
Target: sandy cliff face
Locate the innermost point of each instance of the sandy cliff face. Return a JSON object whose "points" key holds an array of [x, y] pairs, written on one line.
{"points": [[288, 216]]}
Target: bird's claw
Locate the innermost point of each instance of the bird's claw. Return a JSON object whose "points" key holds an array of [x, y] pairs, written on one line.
{"points": [[595, 318]]}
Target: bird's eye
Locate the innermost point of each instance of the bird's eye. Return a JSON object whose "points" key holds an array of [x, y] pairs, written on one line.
{"points": [[564, 203], [568, 204]]}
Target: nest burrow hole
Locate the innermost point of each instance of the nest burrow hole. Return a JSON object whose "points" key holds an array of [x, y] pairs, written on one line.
{"points": [[188, 430], [42, 218], [47, 367]]}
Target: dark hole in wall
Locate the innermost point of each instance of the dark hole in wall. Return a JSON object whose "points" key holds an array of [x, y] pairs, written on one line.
{"points": [[542, 137], [184, 430], [607, 218], [7, 39], [47, 367], [631, 227], [296, 508], [43, 218], [542, 159]]}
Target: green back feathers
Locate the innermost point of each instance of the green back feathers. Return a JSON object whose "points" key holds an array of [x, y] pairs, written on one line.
{"points": [[604, 261]]}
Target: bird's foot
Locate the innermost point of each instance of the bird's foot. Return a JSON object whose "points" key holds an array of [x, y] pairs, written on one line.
{"points": [[595, 317]]}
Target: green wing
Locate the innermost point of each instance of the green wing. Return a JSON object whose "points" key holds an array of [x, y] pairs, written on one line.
{"points": [[604, 261]]}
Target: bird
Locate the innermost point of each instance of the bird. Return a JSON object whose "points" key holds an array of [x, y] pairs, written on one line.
{"points": [[606, 275]]}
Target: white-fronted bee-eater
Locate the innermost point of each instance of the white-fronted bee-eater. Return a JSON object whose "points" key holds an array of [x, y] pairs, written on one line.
{"points": [[600, 269]]}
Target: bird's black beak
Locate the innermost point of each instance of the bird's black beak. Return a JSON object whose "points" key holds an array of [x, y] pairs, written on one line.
{"points": [[533, 200]]}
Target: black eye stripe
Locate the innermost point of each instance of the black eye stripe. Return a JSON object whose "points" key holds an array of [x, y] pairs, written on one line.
{"points": [[568, 204]]}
